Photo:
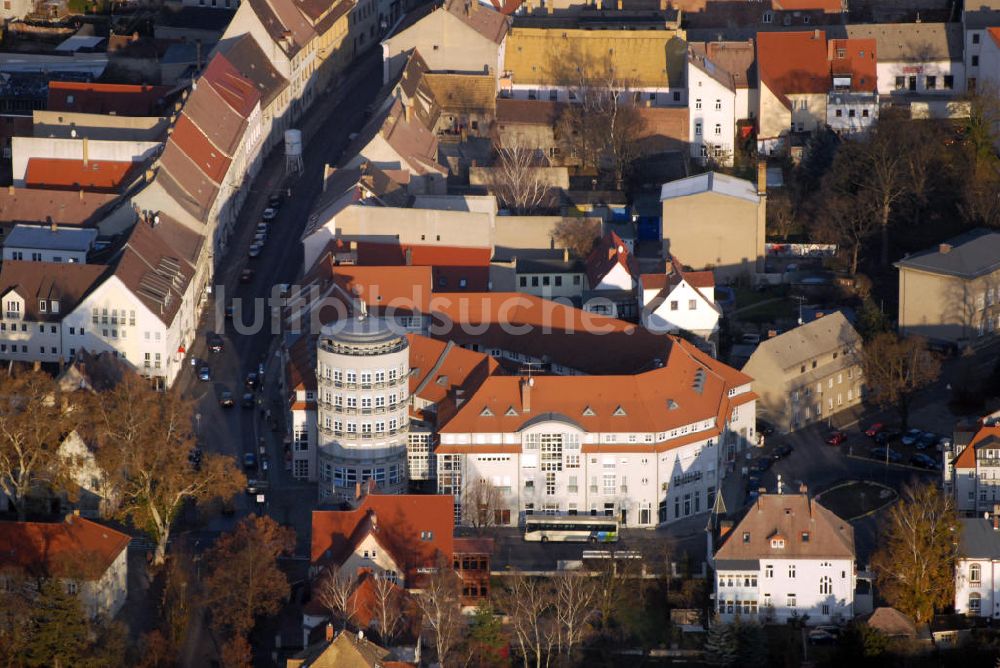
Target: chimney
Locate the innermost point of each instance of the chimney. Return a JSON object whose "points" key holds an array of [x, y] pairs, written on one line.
{"points": [[408, 110], [373, 518], [329, 632], [944, 248], [10, 189], [996, 517], [81, 194], [526, 385], [816, 33], [328, 171], [409, 257], [762, 177], [803, 489], [85, 152], [565, 255], [357, 490], [53, 225]]}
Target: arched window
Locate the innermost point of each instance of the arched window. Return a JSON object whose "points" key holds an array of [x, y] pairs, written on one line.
{"points": [[975, 573], [825, 585], [974, 603]]}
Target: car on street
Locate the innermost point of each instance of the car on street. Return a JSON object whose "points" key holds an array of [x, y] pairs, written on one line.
{"points": [[911, 436], [254, 250], [270, 213], [215, 343], [251, 381], [836, 438], [260, 238], [226, 399], [761, 464], [880, 454], [887, 436], [263, 464], [927, 439], [781, 452], [765, 427], [274, 200], [256, 486], [229, 313], [874, 429], [925, 461], [246, 276], [204, 373], [195, 361], [249, 460], [248, 401], [821, 637], [750, 339], [262, 228]]}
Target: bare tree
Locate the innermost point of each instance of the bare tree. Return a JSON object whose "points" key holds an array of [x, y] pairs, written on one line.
{"points": [[440, 602], [33, 420], [849, 222], [482, 502], [386, 607], [780, 215], [896, 368], [577, 234], [333, 590], [575, 598], [529, 604], [884, 176], [517, 178]]}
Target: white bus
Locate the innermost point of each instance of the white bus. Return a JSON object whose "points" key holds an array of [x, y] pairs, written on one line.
{"points": [[570, 529]]}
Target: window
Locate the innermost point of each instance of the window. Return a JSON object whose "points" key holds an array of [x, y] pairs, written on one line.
{"points": [[524, 281], [677, 96], [975, 61], [825, 585], [718, 129], [778, 543], [697, 103], [746, 536], [790, 601], [791, 571], [697, 128], [768, 17], [975, 38], [673, 306], [949, 82], [930, 82], [900, 83], [838, 113], [975, 603], [975, 574], [718, 104], [852, 113], [426, 535]]}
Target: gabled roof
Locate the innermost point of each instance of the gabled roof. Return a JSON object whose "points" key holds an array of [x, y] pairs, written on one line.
{"points": [[284, 23], [797, 346], [714, 182], [979, 540], [730, 63], [463, 92], [689, 387], [223, 126], [212, 162], [238, 91], [969, 255], [528, 112], [104, 176], [485, 21], [63, 282], [703, 283], [609, 252], [182, 179], [911, 42], [892, 623], [415, 528], [988, 436], [31, 205], [811, 531], [793, 62], [439, 368], [247, 58], [346, 650], [76, 548], [103, 98], [300, 372], [409, 138]]}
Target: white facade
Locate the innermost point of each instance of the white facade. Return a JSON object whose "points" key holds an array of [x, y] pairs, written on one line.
{"points": [[106, 596], [39, 243], [779, 589], [851, 113], [935, 77], [711, 116], [977, 570], [362, 407], [25, 148], [684, 308]]}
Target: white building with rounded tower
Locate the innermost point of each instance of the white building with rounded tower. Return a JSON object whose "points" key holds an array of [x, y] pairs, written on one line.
{"points": [[362, 372]]}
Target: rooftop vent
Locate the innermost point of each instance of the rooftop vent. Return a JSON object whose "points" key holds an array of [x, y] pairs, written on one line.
{"points": [[699, 381]]}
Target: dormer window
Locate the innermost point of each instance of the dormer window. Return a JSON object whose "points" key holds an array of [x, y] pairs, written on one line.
{"points": [[746, 536], [54, 306], [42, 305], [805, 536], [777, 543]]}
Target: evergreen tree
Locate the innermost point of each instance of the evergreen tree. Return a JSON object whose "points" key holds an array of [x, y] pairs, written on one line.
{"points": [[487, 645], [751, 643], [59, 629], [871, 320], [721, 645]]}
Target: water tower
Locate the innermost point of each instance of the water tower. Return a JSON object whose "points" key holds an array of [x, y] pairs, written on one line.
{"points": [[293, 152]]}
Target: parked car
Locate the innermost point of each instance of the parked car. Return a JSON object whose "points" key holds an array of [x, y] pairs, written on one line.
{"points": [[246, 276], [925, 461], [215, 342], [874, 429], [911, 436], [226, 399], [887, 436], [836, 438], [254, 250], [764, 427], [195, 362], [270, 213], [926, 440], [760, 464], [781, 451], [248, 401], [256, 486], [204, 374], [262, 228], [229, 313], [274, 201], [881, 454], [750, 339], [260, 238], [263, 464], [251, 381], [249, 460], [821, 637]]}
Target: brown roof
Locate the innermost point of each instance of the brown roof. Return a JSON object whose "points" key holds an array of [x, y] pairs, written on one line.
{"points": [[399, 520], [103, 98], [892, 623], [730, 63], [280, 17], [184, 181], [153, 270], [410, 139], [247, 58], [463, 92], [105, 176], [608, 253], [238, 91], [486, 21], [528, 112], [439, 368], [67, 283], [30, 205], [76, 548], [689, 387], [346, 650], [212, 162], [811, 531], [300, 372], [223, 126]]}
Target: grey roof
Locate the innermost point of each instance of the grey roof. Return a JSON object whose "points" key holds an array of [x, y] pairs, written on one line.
{"points": [[979, 540], [737, 564], [710, 182], [981, 13], [969, 255], [44, 237], [912, 42], [546, 261], [796, 346]]}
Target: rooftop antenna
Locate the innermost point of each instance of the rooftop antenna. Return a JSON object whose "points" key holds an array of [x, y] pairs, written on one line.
{"points": [[529, 367]]}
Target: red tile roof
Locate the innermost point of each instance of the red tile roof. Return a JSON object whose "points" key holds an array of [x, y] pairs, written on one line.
{"points": [[103, 98], [438, 368], [28, 205], [238, 91], [827, 6], [803, 62], [402, 522], [65, 174], [995, 34], [75, 548], [63, 282], [859, 62], [210, 159], [609, 252], [987, 434]]}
